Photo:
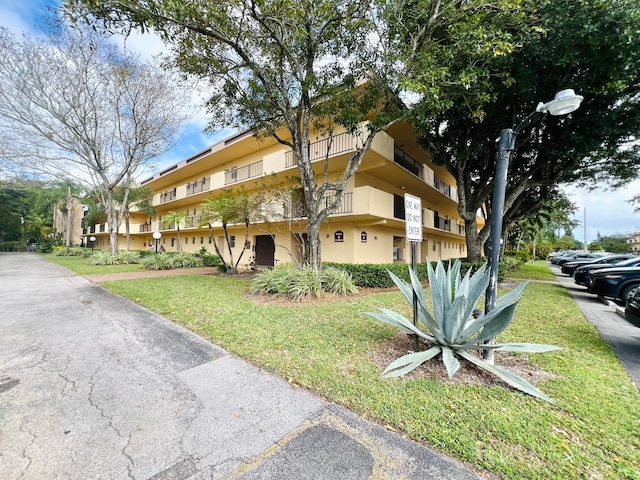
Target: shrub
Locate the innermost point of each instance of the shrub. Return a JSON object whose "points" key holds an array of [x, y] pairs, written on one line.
{"points": [[187, 260], [454, 328], [71, 252], [337, 281], [103, 257], [128, 257], [522, 256], [301, 283], [376, 275], [161, 261]]}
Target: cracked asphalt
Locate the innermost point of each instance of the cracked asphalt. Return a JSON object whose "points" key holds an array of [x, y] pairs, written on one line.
{"points": [[93, 386]]}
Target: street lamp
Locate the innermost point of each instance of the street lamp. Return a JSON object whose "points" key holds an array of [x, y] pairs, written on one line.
{"points": [[92, 239], [565, 102], [157, 236]]}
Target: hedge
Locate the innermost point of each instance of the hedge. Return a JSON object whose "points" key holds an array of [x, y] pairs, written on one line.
{"points": [[375, 275]]}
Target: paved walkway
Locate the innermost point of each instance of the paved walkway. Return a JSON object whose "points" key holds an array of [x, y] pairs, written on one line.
{"points": [[93, 386], [622, 336]]}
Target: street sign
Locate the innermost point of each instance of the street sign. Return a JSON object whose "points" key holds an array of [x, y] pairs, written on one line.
{"points": [[413, 217]]}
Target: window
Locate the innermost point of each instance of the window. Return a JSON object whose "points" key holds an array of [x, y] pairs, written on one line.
{"points": [[202, 240], [232, 241], [173, 242], [338, 236], [193, 240]]}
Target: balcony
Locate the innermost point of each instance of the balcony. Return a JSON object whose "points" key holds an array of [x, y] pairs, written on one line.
{"points": [[403, 159], [198, 186], [325, 148], [243, 173], [168, 196], [294, 210], [145, 228]]}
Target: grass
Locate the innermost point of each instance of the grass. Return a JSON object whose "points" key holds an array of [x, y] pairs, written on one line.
{"points": [[593, 431], [538, 270], [82, 267]]}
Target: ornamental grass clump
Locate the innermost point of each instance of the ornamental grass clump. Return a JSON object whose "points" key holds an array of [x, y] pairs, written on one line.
{"points": [[452, 329]]}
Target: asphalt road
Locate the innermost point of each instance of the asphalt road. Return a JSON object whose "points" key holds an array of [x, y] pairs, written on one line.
{"points": [[93, 386]]}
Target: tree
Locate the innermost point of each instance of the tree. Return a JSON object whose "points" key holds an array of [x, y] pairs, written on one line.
{"points": [[280, 69], [138, 196], [74, 106], [175, 218], [285, 69], [231, 207], [589, 46]]}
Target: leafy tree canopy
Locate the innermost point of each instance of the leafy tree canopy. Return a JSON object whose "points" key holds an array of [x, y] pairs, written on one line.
{"points": [[591, 46]]}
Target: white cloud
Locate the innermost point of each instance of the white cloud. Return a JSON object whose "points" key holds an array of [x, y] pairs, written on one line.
{"points": [[608, 212]]}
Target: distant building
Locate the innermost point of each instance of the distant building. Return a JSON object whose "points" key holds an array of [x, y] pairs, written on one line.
{"points": [[368, 228], [634, 241]]}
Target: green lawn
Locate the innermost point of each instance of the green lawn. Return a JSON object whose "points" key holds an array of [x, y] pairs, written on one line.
{"points": [[82, 267], [593, 431], [538, 270]]}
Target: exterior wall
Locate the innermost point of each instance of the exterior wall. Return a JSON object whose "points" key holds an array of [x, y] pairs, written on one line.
{"points": [[60, 221], [369, 228], [634, 242]]}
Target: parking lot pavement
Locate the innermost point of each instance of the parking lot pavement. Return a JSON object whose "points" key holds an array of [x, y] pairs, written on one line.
{"points": [[93, 386], [622, 336]]}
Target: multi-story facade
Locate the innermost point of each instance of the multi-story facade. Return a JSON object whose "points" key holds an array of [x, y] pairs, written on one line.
{"points": [[368, 228], [634, 243]]}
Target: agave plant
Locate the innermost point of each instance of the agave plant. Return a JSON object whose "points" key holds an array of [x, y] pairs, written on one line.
{"points": [[455, 328]]}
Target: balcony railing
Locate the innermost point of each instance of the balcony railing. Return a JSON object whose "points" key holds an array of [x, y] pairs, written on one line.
{"points": [[192, 221], [243, 173], [442, 223], [442, 186], [145, 228], [325, 148], [198, 186], [170, 226], [168, 196], [295, 210], [403, 159]]}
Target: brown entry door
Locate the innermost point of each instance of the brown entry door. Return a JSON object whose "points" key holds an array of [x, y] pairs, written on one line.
{"points": [[265, 250]]}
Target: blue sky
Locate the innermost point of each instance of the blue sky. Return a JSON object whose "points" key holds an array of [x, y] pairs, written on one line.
{"points": [[607, 211]]}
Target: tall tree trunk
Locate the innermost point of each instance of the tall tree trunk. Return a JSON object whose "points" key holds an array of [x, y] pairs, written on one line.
{"points": [[69, 219], [474, 240], [127, 230], [113, 221]]}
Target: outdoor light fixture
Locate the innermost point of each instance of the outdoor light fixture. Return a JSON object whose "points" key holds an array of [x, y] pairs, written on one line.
{"points": [[157, 236], [564, 102], [92, 239]]}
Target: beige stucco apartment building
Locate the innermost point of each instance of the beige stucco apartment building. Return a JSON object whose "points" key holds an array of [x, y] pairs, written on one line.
{"points": [[368, 228]]}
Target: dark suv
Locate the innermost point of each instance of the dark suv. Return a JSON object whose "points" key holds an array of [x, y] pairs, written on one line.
{"points": [[618, 283], [582, 274]]}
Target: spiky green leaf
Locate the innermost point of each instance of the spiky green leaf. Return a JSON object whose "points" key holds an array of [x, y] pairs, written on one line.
{"points": [[395, 319], [510, 378], [450, 361], [409, 362]]}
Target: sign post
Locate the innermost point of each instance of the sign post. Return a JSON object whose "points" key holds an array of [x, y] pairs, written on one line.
{"points": [[413, 225]]}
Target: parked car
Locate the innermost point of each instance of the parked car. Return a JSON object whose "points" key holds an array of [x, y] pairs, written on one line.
{"points": [[570, 267], [632, 310], [582, 275], [618, 283], [562, 259]]}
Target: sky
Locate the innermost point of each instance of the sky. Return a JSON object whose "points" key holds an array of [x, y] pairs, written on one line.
{"points": [[607, 212]]}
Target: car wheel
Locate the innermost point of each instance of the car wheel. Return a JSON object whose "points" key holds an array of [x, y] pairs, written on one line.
{"points": [[629, 291]]}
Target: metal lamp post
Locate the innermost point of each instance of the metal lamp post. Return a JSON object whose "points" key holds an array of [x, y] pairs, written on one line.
{"points": [[564, 102], [92, 239], [157, 236]]}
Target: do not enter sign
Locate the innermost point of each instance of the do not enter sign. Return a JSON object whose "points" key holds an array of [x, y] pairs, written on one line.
{"points": [[413, 217]]}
